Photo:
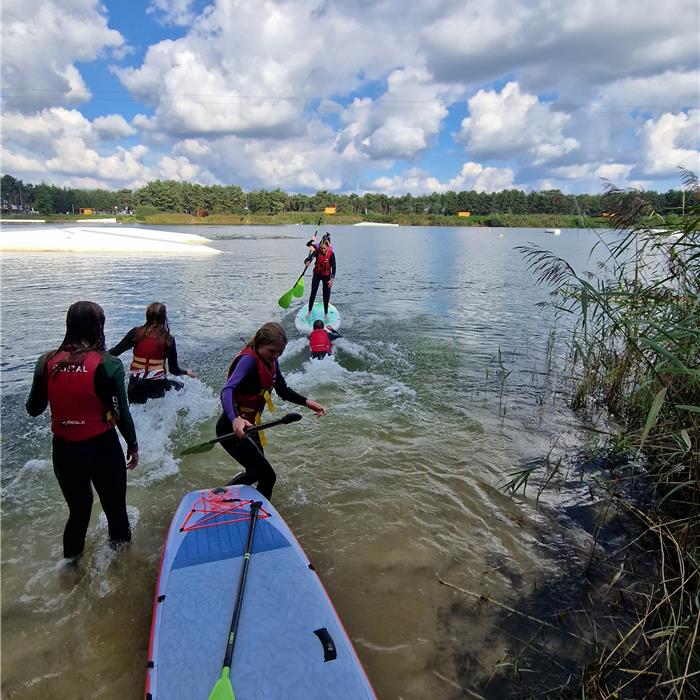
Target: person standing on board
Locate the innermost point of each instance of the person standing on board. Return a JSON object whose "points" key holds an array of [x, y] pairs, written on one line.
{"points": [[84, 386], [254, 372], [324, 271], [320, 340], [153, 346]]}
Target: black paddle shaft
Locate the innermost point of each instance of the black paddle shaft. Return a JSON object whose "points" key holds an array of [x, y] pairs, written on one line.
{"points": [[254, 507], [287, 418]]}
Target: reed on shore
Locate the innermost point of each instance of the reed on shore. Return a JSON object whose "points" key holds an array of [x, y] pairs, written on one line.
{"points": [[635, 353]]}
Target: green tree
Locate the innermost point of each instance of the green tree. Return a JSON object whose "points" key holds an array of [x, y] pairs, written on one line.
{"points": [[43, 201]]}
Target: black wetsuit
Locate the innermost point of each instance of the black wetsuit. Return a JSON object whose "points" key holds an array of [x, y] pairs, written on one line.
{"points": [[248, 452], [317, 279], [140, 390], [97, 461]]}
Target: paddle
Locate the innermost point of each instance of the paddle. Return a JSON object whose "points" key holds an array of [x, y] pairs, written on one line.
{"points": [[223, 690], [209, 444], [298, 289]]}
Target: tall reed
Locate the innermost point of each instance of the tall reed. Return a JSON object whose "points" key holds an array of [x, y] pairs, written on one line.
{"points": [[635, 353]]}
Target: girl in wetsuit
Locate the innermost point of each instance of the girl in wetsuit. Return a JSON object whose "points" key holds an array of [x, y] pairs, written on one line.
{"points": [[153, 346], [254, 372], [324, 271], [85, 388]]}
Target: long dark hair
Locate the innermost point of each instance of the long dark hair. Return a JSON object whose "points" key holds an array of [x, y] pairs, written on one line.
{"points": [[156, 325], [85, 323], [270, 333]]}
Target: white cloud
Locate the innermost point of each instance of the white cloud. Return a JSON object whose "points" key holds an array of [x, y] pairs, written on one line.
{"points": [[563, 47], [670, 90], [112, 126], [42, 40], [472, 176], [64, 142], [182, 170], [177, 12], [254, 69], [18, 163], [614, 172], [192, 147], [400, 123], [511, 123], [671, 142]]}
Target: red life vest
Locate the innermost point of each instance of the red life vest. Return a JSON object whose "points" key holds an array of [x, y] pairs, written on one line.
{"points": [[77, 412], [250, 406], [323, 262], [149, 358], [319, 341]]}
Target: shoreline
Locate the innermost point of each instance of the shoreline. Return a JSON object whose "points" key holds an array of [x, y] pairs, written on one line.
{"points": [[543, 221]]}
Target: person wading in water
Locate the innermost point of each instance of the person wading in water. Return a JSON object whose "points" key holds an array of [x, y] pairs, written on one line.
{"points": [[153, 346], [84, 386], [254, 372]]}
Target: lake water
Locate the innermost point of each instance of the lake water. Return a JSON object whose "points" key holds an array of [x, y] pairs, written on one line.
{"points": [[441, 386]]}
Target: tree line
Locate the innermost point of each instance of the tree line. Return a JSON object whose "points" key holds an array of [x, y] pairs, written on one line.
{"points": [[188, 198]]}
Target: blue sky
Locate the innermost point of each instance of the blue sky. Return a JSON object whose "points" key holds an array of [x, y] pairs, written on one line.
{"points": [[352, 96]]}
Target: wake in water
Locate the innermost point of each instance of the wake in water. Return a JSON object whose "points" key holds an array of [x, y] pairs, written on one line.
{"points": [[164, 426], [355, 372]]}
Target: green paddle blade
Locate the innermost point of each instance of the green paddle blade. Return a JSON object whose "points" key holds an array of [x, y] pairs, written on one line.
{"points": [[198, 449], [286, 299], [223, 690], [298, 289]]}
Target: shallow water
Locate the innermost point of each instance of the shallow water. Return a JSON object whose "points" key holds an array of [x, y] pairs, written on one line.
{"points": [[446, 379]]}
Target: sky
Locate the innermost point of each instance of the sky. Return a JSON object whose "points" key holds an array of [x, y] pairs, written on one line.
{"points": [[388, 96]]}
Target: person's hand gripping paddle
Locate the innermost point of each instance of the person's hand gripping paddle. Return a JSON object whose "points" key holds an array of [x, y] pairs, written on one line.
{"points": [[298, 289], [209, 444]]}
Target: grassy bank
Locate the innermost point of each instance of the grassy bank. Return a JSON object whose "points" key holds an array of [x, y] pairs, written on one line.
{"points": [[292, 218], [149, 216]]}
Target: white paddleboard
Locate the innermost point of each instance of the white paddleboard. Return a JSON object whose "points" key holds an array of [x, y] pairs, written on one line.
{"points": [[306, 325]]}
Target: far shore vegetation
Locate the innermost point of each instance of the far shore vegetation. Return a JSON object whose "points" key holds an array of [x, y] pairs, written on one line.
{"points": [[181, 203]]}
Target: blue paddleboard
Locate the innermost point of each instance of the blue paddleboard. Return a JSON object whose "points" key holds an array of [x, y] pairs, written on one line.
{"points": [[290, 642], [306, 325]]}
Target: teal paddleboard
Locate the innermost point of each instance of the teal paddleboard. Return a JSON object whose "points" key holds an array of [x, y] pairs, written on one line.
{"points": [[306, 325]]}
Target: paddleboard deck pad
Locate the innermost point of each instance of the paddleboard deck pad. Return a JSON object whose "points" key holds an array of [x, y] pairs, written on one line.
{"points": [[306, 325], [290, 642]]}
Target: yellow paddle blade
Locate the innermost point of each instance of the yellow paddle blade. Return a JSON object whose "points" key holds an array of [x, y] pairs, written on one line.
{"points": [[298, 289], [286, 299], [222, 689]]}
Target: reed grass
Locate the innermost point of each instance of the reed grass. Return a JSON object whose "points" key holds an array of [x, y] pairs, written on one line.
{"points": [[635, 354]]}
